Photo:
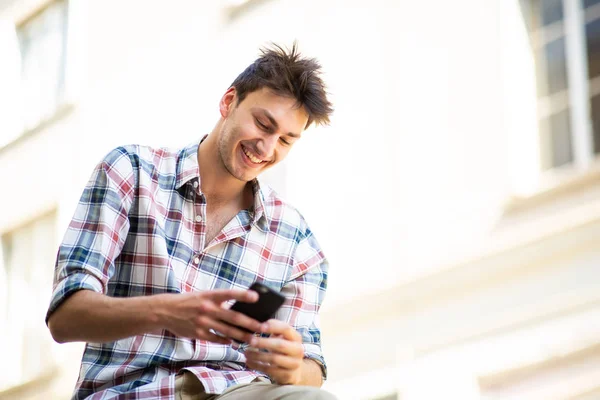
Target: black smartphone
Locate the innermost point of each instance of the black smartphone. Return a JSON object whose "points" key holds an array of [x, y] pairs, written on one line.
{"points": [[264, 308]]}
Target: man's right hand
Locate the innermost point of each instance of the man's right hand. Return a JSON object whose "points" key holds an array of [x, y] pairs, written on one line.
{"points": [[193, 315], [92, 317]]}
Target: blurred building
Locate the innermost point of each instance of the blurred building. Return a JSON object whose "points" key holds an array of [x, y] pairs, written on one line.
{"points": [[457, 191]]}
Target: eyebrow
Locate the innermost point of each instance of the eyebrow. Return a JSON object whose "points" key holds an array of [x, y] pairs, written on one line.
{"points": [[274, 122]]}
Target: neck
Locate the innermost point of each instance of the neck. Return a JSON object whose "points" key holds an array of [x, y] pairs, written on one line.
{"points": [[217, 184]]}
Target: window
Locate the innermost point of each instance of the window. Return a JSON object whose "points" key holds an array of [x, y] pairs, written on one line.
{"points": [[592, 34], [565, 41], [26, 271], [41, 43]]}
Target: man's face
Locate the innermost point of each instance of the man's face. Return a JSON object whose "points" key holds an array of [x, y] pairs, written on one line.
{"points": [[259, 132]]}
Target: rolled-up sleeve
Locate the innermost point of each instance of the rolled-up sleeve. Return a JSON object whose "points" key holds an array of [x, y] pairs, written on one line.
{"points": [[97, 231], [305, 292]]}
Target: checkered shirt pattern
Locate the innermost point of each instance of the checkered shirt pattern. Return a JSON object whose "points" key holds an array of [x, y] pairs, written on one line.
{"points": [[139, 230]]}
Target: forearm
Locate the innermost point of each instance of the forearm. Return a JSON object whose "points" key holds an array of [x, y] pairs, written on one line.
{"points": [[92, 317], [311, 373]]}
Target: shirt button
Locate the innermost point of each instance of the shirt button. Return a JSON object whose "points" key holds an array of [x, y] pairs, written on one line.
{"points": [[198, 218], [196, 260], [195, 184]]}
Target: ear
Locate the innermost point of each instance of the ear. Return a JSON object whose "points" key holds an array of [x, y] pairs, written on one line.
{"points": [[227, 102]]}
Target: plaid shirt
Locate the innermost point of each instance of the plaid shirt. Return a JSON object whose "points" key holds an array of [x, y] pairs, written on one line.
{"points": [[139, 230]]}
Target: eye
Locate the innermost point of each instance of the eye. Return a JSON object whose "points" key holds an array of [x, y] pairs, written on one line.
{"points": [[284, 141], [261, 125]]}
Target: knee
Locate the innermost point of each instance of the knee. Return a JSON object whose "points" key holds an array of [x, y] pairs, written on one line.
{"points": [[309, 393]]}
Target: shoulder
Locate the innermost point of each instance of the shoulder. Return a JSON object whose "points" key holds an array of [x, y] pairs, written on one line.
{"points": [[135, 156], [281, 212], [120, 156], [287, 222]]}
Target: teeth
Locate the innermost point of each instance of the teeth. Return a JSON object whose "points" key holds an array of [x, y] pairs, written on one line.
{"points": [[251, 157]]}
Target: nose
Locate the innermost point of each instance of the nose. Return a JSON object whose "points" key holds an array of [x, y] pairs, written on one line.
{"points": [[266, 146]]}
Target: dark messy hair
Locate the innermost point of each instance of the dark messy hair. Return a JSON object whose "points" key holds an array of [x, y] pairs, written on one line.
{"points": [[288, 74]]}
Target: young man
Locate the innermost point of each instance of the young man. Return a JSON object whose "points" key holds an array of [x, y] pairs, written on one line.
{"points": [[162, 240]]}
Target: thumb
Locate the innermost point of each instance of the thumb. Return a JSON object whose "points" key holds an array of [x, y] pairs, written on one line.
{"points": [[280, 328]]}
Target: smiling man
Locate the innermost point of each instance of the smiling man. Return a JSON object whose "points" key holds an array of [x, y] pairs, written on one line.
{"points": [[162, 241]]}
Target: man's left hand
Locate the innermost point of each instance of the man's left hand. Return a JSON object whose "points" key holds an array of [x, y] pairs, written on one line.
{"points": [[284, 357]]}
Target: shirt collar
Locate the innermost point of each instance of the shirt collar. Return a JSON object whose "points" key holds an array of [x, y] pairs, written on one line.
{"points": [[260, 216], [187, 164], [188, 169]]}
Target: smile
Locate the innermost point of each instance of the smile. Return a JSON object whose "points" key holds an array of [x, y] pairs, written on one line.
{"points": [[251, 156]]}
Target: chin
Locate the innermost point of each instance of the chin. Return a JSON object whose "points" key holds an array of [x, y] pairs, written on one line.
{"points": [[244, 177]]}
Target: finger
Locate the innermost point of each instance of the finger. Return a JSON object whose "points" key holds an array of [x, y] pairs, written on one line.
{"points": [[237, 319], [208, 308], [221, 295], [276, 327], [278, 345], [230, 331], [272, 359], [211, 337], [279, 375]]}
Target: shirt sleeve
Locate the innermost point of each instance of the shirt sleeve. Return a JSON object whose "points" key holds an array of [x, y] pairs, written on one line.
{"points": [[305, 292], [97, 231]]}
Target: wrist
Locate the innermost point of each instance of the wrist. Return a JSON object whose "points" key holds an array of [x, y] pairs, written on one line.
{"points": [[310, 373], [158, 315]]}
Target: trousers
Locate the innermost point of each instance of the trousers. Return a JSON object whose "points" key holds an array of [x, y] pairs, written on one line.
{"points": [[188, 387]]}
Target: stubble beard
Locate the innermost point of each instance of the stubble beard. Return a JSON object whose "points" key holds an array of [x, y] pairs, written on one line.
{"points": [[226, 157]]}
